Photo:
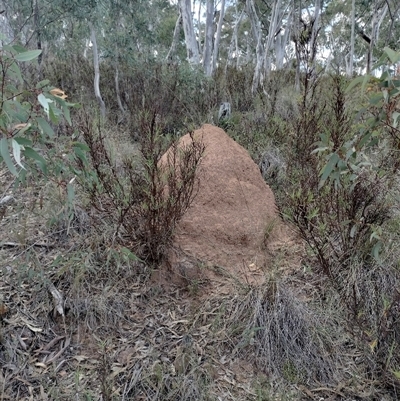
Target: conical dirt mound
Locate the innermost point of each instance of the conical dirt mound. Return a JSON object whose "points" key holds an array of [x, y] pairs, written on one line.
{"points": [[228, 224]]}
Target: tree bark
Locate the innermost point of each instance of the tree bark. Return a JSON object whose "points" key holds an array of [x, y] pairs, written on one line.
{"points": [[38, 38], [190, 38], [285, 39], [175, 40], [393, 20], [271, 34], [314, 33], [377, 19], [97, 72], [234, 42], [199, 27], [121, 107], [352, 38], [5, 27], [218, 37], [256, 28], [209, 35]]}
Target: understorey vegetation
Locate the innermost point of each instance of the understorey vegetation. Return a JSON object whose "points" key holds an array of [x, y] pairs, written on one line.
{"points": [[89, 206]]}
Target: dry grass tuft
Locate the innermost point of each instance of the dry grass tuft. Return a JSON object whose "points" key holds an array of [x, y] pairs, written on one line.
{"points": [[288, 338]]}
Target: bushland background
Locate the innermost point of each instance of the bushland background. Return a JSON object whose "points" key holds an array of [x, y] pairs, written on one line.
{"points": [[314, 92]]}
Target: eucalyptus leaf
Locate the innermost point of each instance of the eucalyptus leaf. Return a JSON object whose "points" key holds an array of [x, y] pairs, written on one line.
{"points": [[32, 154], [5, 154], [45, 127], [393, 55], [328, 168], [28, 55]]}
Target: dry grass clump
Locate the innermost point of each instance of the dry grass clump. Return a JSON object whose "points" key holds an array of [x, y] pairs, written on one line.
{"points": [[372, 300], [288, 338]]}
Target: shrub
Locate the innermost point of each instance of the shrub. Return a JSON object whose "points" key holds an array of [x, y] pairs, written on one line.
{"points": [[338, 201], [142, 200]]}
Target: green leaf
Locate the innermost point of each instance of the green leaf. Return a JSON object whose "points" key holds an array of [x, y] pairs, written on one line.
{"points": [[23, 141], [328, 168], [5, 153], [70, 193], [82, 146], [129, 254], [28, 55], [393, 56], [17, 48], [395, 117], [376, 98], [53, 115], [365, 81], [376, 251], [67, 114], [364, 140], [385, 77], [396, 374], [11, 89], [16, 147], [32, 154], [357, 81], [42, 84], [15, 72], [45, 127], [57, 112]]}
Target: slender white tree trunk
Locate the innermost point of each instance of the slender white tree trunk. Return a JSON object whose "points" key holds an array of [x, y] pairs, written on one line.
{"points": [[97, 72], [199, 33], [314, 33], [256, 28], [190, 38], [276, 9], [209, 35], [116, 78], [352, 38], [377, 19], [282, 42], [280, 45], [234, 45], [175, 39], [218, 36]]}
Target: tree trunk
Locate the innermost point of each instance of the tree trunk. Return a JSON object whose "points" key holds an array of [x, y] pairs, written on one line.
{"points": [[121, 107], [377, 19], [393, 20], [190, 38], [234, 42], [38, 38], [209, 35], [5, 28], [199, 27], [352, 38], [314, 33], [271, 34], [296, 35], [97, 72], [256, 28], [218, 37], [175, 40], [283, 42]]}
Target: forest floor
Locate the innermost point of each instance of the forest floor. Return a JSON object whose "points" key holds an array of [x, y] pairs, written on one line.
{"points": [[83, 319]]}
